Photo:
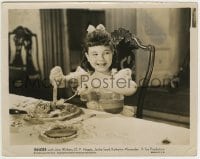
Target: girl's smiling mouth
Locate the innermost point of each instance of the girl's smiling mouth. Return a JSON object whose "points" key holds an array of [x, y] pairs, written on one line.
{"points": [[101, 64]]}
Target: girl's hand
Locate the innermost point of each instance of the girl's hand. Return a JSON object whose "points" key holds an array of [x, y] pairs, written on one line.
{"points": [[93, 105], [128, 86], [60, 102], [84, 89], [57, 79]]}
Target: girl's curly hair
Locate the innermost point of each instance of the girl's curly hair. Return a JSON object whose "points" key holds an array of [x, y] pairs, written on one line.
{"points": [[95, 38]]}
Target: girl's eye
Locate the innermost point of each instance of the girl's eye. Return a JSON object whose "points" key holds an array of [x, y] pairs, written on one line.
{"points": [[95, 54], [107, 52]]}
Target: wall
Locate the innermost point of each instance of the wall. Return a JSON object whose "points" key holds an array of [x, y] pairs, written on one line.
{"points": [[167, 29], [31, 20], [125, 18]]}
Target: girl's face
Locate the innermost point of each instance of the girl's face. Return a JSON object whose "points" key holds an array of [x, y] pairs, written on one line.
{"points": [[100, 58]]}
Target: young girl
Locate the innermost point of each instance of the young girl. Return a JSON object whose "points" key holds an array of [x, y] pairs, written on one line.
{"points": [[99, 82]]}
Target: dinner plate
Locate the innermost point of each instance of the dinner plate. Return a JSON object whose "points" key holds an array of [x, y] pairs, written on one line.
{"points": [[45, 111]]}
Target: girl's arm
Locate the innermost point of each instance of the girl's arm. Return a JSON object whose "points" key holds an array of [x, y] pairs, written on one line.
{"points": [[58, 80], [124, 86], [120, 83], [77, 75]]}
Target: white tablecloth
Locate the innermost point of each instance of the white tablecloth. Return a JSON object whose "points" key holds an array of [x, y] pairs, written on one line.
{"points": [[104, 128]]}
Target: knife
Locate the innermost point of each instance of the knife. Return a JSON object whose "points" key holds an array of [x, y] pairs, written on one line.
{"points": [[17, 111]]}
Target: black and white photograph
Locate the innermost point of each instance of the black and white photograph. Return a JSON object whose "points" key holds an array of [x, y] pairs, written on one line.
{"points": [[99, 79]]}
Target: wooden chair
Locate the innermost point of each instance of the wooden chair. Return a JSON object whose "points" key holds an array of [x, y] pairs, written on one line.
{"points": [[126, 45], [22, 72], [23, 38]]}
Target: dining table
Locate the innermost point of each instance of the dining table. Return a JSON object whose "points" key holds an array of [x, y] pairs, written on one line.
{"points": [[99, 128]]}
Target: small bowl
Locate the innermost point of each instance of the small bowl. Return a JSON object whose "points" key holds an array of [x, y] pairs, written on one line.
{"points": [[105, 100], [112, 105]]}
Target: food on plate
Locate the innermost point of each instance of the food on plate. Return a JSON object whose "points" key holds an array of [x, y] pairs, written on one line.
{"points": [[47, 111]]}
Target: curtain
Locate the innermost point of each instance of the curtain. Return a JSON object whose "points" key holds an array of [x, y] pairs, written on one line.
{"points": [[55, 40]]}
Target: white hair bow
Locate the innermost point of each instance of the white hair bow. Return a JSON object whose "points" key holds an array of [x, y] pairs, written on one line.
{"points": [[91, 28]]}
